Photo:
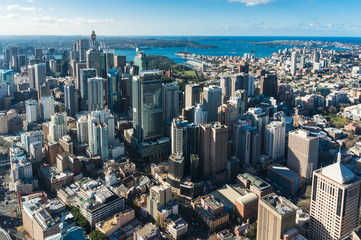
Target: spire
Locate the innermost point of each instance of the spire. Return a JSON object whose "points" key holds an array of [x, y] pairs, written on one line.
{"points": [[339, 155]]}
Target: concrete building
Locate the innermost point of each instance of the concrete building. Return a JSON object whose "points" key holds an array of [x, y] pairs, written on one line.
{"points": [[335, 202], [69, 99], [170, 101], [269, 85], [82, 46], [148, 232], [93, 60], [302, 153], [247, 144], [176, 169], [47, 107], [213, 142], [276, 215], [114, 88], [40, 75], [32, 111], [85, 74], [31, 137], [192, 95], [57, 126], [255, 184], [275, 139], [82, 130], [285, 178], [212, 99], [294, 63], [159, 196], [97, 96], [200, 114]]}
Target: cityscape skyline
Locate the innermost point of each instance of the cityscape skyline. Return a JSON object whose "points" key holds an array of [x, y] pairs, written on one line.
{"points": [[186, 18]]}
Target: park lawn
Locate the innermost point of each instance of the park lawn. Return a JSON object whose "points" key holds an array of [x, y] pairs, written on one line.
{"points": [[188, 73], [337, 121]]}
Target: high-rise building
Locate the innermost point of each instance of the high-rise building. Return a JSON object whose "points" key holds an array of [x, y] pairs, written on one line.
{"points": [[7, 76], [170, 101], [176, 169], [142, 61], [212, 99], [194, 162], [275, 139], [57, 126], [114, 90], [120, 62], [200, 114], [226, 85], [213, 142], [31, 137], [242, 81], [47, 107], [82, 45], [32, 111], [276, 215], [97, 96], [269, 85], [178, 129], [103, 116], [335, 202], [147, 106], [247, 144], [85, 74], [40, 74], [302, 153], [228, 115], [78, 67], [192, 95], [240, 100], [259, 119], [316, 57], [31, 75], [159, 196], [69, 99], [82, 130], [93, 60], [294, 63]]}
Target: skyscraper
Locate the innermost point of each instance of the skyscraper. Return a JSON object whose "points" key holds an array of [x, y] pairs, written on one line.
{"points": [[78, 67], [32, 111], [269, 85], [212, 99], [57, 126], [40, 75], [178, 130], [159, 196], [192, 94], [302, 153], [226, 85], [200, 114], [275, 139], [242, 81], [31, 75], [82, 45], [47, 107], [176, 169], [82, 130], [142, 61], [120, 62], [96, 93], [170, 101], [147, 106], [294, 63], [85, 74], [247, 144], [69, 99], [316, 57], [213, 141], [276, 215], [114, 90], [335, 202], [93, 60]]}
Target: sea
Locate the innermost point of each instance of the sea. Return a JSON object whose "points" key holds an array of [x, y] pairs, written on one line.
{"points": [[227, 46]]}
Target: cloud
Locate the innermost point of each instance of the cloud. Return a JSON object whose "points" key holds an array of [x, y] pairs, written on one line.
{"points": [[252, 2], [314, 24], [20, 8]]}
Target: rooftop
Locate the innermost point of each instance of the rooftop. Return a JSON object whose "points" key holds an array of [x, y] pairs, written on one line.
{"points": [[148, 231], [284, 171], [280, 204], [255, 181], [338, 172]]}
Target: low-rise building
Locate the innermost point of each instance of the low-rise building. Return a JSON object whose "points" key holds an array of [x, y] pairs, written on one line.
{"points": [[176, 226], [109, 226], [148, 232], [285, 177], [254, 184]]}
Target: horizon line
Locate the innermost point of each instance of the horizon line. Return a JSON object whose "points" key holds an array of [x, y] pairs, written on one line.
{"points": [[215, 36]]}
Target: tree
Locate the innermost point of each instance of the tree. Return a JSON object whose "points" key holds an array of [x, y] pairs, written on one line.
{"points": [[97, 235], [252, 234]]}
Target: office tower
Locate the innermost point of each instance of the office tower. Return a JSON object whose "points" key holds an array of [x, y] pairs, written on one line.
{"points": [[147, 106], [302, 61], [178, 129], [228, 115], [316, 57], [103, 117], [79, 66], [176, 169], [109, 60], [275, 139], [32, 111], [126, 97], [294, 63], [240, 101], [276, 215], [31, 137], [269, 85], [159, 196], [62, 161], [194, 162], [170, 101], [247, 144], [188, 114], [212, 99], [57, 126], [191, 145], [31, 75], [69, 99], [36, 154], [142, 61], [82, 45], [335, 202], [93, 60], [82, 130], [85, 74], [259, 119], [302, 153], [114, 90], [96, 93], [213, 142], [40, 75], [226, 85], [38, 54], [200, 114], [98, 138], [192, 94], [103, 65], [120, 62], [47, 107], [242, 81], [7, 76]]}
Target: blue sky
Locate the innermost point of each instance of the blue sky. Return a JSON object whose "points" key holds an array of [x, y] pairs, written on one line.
{"points": [[181, 17]]}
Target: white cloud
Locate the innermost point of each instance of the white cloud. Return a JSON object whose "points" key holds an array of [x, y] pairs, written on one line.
{"points": [[314, 24], [20, 8], [252, 2]]}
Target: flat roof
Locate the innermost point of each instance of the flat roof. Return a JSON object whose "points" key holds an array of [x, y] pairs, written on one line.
{"points": [[284, 171], [255, 181]]}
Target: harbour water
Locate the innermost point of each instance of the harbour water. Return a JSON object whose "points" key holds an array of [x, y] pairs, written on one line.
{"points": [[228, 46]]}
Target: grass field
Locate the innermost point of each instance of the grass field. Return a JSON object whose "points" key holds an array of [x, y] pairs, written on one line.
{"points": [[337, 121], [188, 73]]}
